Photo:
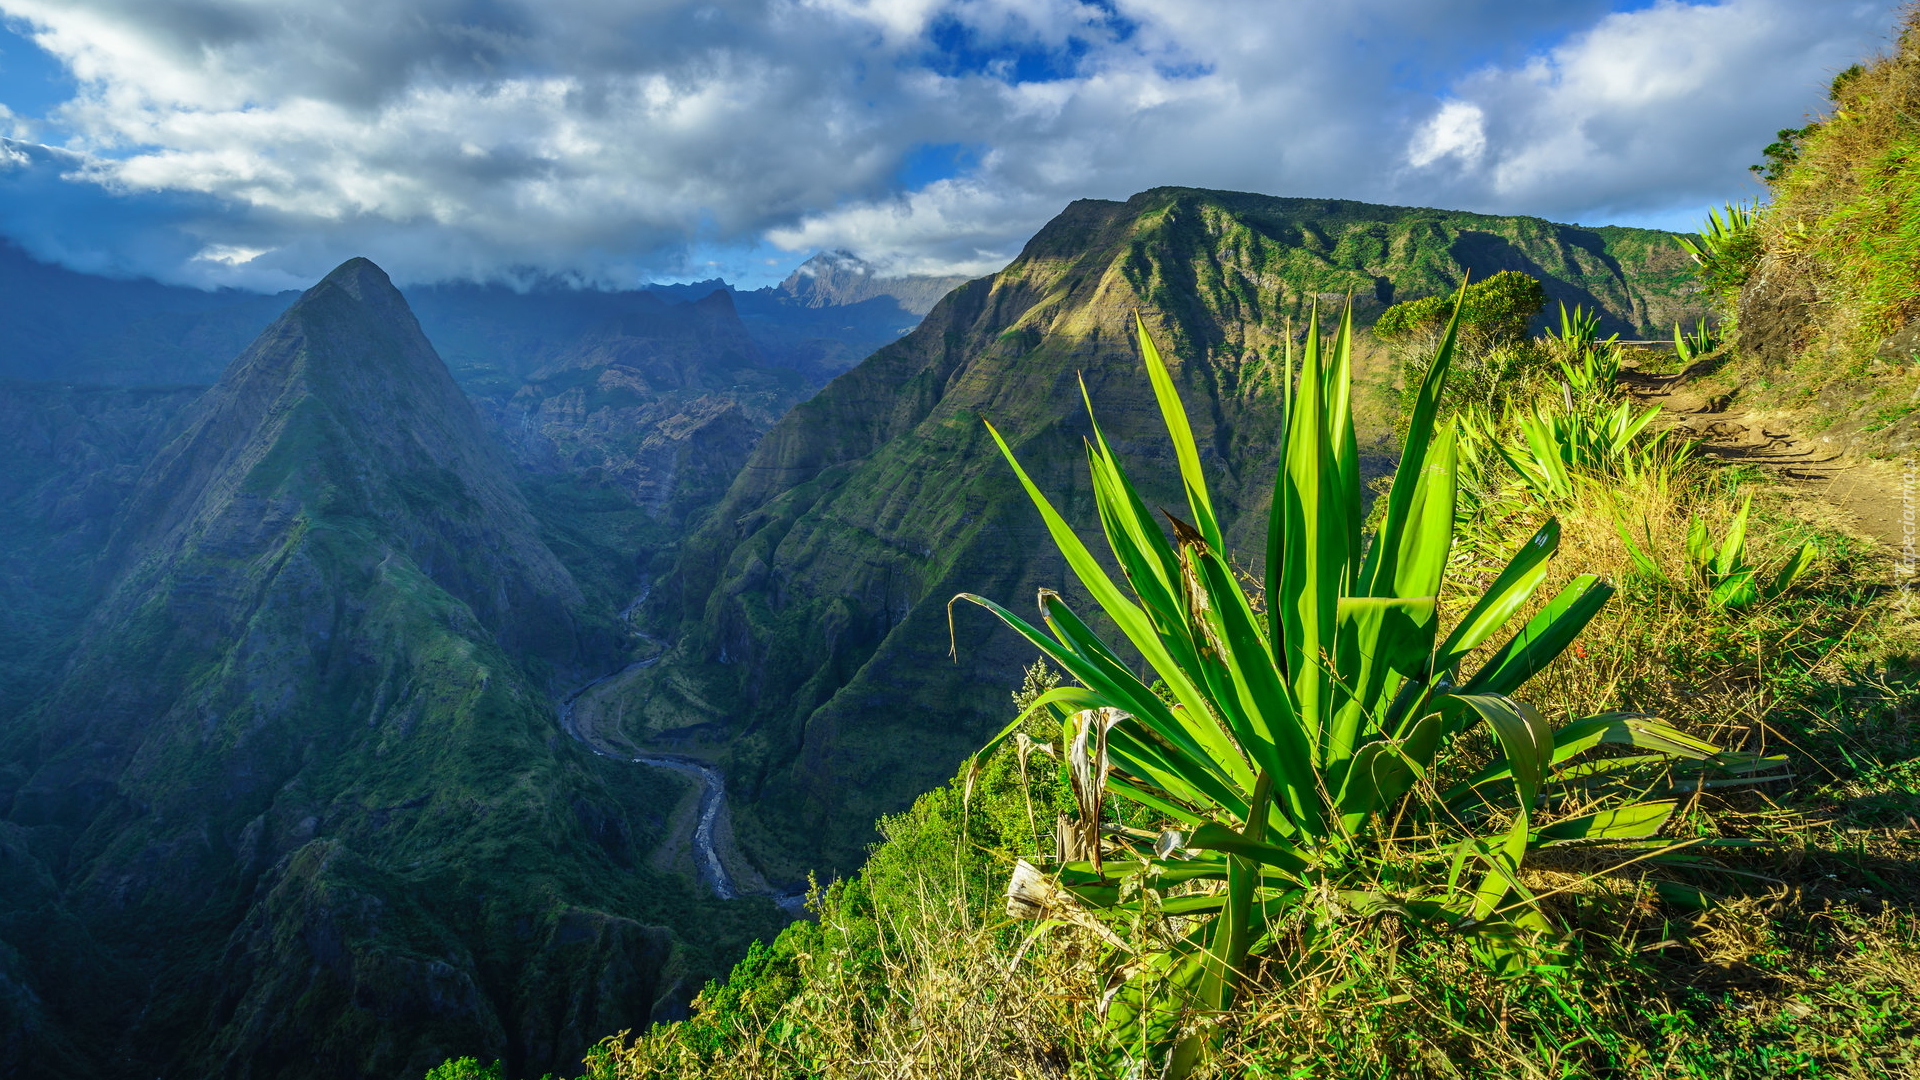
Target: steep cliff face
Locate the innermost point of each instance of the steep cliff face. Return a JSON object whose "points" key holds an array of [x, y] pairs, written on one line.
{"points": [[298, 804], [813, 638]]}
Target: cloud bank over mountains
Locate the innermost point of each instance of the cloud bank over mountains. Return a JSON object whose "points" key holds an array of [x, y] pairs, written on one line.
{"points": [[257, 142]]}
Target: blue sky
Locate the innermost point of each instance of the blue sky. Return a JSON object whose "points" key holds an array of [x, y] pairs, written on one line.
{"points": [[257, 143]]}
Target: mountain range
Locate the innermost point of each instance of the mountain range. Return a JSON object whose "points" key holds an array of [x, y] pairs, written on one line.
{"points": [[283, 785]]}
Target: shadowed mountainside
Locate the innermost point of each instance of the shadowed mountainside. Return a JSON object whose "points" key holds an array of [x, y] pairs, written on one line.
{"points": [[70, 327], [298, 805], [809, 609]]}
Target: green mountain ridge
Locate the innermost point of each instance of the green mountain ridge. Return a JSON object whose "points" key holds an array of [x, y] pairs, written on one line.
{"points": [[298, 805], [809, 608]]}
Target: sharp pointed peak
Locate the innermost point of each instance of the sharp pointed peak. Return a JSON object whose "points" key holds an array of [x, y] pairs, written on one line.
{"points": [[362, 279]]}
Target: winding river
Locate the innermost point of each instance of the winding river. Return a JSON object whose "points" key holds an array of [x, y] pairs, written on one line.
{"points": [[711, 867]]}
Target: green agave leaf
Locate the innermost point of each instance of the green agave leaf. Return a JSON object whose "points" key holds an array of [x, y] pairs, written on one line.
{"points": [[1687, 896], [1185, 450], [1700, 548], [1630, 429], [1627, 822], [1338, 393], [1642, 561], [1195, 782], [1508, 593], [1734, 547], [1193, 904], [1590, 773], [1233, 931], [1198, 736], [1094, 896], [1132, 549], [1735, 590], [1065, 695], [1426, 540], [1154, 801], [1527, 741], [1202, 736], [1544, 637], [1375, 777], [1212, 836], [1382, 640], [1525, 738], [1792, 572], [1382, 567], [1503, 872], [1314, 555], [1273, 734], [1119, 688], [1131, 620], [1165, 874], [1615, 728], [1144, 1017], [1647, 733]]}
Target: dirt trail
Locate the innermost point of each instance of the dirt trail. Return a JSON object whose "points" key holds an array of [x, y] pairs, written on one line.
{"points": [[1877, 496]]}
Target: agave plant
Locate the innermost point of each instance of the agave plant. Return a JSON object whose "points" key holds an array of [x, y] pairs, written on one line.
{"points": [[1287, 743], [1731, 581], [1594, 442], [1593, 372], [1557, 446], [1690, 347], [1579, 328], [1725, 227], [1727, 246], [1589, 364]]}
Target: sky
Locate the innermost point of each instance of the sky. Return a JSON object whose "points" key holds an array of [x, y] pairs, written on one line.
{"points": [[258, 143]]}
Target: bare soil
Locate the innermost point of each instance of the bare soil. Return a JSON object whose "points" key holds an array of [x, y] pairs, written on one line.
{"points": [[1877, 499]]}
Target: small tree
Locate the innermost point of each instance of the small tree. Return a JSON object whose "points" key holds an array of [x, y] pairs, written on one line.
{"points": [[1493, 312], [1493, 356]]}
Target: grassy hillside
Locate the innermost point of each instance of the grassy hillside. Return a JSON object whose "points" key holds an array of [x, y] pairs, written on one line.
{"points": [[808, 612], [1827, 301]]}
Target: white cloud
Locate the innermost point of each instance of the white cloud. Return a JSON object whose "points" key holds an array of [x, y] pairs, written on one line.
{"points": [[228, 254], [610, 140], [1458, 130], [1646, 109]]}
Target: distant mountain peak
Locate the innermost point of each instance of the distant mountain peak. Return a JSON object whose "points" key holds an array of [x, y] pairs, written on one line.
{"points": [[839, 277]]}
